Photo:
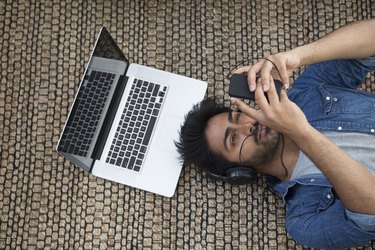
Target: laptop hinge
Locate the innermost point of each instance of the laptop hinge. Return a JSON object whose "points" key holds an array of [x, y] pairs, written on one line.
{"points": [[110, 116]]}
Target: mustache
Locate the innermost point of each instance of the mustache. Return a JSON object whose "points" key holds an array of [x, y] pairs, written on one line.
{"points": [[254, 132]]}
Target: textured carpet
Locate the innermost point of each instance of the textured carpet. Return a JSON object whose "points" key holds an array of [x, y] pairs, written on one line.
{"points": [[47, 202]]}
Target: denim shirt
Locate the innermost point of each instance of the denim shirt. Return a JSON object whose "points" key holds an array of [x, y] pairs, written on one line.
{"points": [[327, 94]]}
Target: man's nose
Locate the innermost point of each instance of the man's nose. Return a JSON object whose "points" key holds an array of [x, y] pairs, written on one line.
{"points": [[246, 128]]}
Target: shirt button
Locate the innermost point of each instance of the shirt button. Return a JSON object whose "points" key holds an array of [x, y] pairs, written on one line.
{"points": [[334, 99], [312, 180], [339, 128], [328, 98], [372, 130], [329, 196]]}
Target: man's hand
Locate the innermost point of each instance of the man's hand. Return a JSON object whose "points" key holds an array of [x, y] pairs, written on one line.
{"points": [[278, 66], [278, 113], [353, 41]]}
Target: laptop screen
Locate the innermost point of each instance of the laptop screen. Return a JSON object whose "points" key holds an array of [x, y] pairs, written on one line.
{"points": [[106, 47], [106, 67]]}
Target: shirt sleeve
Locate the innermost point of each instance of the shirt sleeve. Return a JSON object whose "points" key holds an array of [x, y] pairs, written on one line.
{"points": [[364, 221], [317, 218], [343, 73]]}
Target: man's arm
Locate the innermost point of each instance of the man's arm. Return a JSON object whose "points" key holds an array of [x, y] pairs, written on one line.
{"points": [[352, 41], [353, 183]]}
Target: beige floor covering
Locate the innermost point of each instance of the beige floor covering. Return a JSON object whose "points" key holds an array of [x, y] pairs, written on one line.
{"points": [[47, 202]]}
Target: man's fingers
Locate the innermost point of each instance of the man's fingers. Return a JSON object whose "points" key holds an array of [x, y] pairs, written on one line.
{"points": [[265, 74], [266, 70], [284, 75], [242, 70], [252, 75], [260, 97], [273, 97], [251, 112], [283, 94]]}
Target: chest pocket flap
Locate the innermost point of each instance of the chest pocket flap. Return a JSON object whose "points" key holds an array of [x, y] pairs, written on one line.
{"points": [[336, 100]]}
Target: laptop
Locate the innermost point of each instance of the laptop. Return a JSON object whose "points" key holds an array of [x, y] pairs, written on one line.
{"points": [[125, 118]]}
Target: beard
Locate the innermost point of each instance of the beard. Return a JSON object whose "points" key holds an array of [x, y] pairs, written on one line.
{"points": [[268, 150]]}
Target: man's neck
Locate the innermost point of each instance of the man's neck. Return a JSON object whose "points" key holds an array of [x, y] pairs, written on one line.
{"points": [[286, 156]]}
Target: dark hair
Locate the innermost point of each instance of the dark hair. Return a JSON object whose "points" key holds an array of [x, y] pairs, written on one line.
{"points": [[193, 145]]}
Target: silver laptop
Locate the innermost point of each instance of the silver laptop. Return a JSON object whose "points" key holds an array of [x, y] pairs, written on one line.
{"points": [[125, 118]]}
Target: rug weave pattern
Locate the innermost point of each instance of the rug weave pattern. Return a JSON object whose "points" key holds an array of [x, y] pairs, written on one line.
{"points": [[47, 202]]}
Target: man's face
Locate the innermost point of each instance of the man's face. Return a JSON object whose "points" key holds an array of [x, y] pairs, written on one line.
{"points": [[226, 132]]}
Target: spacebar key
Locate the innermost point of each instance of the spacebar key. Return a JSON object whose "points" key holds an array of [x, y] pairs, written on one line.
{"points": [[150, 127]]}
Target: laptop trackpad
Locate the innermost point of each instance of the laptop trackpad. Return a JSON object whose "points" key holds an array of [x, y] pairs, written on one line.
{"points": [[169, 133]]}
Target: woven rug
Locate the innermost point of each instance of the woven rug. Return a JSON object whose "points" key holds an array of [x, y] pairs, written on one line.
{"points": [[47, 202]]}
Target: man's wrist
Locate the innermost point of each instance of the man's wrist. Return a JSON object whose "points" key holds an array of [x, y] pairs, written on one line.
{"points": [[301, 134], [307, 54]]}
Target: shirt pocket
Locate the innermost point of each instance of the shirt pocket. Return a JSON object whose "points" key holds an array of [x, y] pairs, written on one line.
{"points": [[326, 199], [336, 100]]}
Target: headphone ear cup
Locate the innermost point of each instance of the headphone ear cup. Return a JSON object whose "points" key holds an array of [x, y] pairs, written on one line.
{"points": [[240, 175], [215, 176], [235, 175]]}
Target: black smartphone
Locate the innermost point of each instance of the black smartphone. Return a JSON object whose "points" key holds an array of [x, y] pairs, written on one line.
{"points": [[239, 87]]}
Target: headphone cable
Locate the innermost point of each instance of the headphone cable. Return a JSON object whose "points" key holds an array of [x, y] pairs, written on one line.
{"points": [[281, 154], [282, 137]]}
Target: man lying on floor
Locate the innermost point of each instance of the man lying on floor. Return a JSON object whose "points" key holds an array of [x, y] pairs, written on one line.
{"points": [[316, 142]]}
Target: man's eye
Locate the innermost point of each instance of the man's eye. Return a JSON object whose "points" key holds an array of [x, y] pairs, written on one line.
{"points": [[238, 117], [233, 138]]}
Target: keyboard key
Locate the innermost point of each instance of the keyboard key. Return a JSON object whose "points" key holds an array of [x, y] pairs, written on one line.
{"points": [[137, 168], [150, 127], [156, 89], [125, 162], [150, 87], [131, 163], [118, 161]]}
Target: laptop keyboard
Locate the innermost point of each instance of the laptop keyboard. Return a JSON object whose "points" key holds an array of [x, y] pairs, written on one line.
{"points": [[133, 134], [90, 101]]}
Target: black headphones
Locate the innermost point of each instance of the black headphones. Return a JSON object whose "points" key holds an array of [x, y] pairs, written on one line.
{"points": [[236, 175]]}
